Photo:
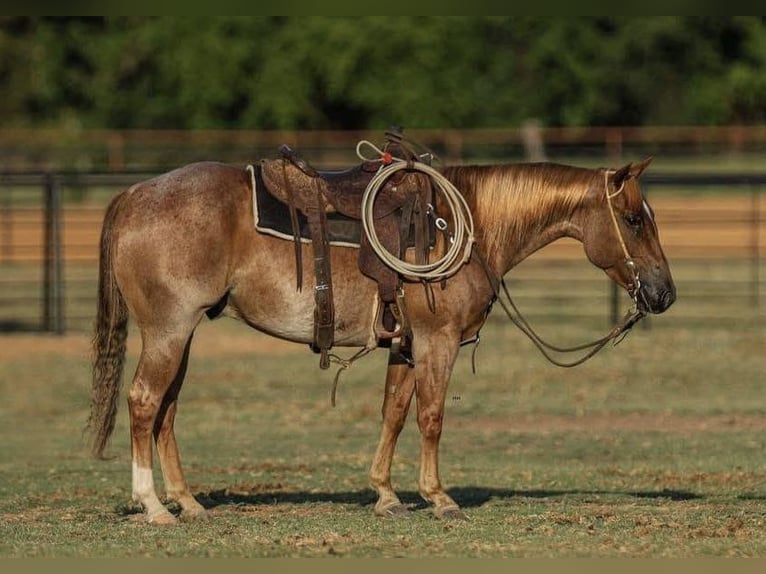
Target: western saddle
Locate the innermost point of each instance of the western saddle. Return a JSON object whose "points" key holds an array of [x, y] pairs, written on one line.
{"points": [[400, 212]]}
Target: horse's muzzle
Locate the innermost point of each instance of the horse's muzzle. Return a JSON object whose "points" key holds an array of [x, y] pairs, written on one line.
{"points": [[654, 298]]}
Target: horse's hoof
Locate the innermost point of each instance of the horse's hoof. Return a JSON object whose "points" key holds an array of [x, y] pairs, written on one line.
{"points": [[197, 515], [162, 519], [450, 513], [393, 510]]}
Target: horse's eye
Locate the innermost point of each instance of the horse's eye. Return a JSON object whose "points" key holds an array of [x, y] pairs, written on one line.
{"points": [[633, 219]]}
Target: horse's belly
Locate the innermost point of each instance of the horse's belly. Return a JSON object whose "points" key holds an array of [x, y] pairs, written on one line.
{"points": [[279, 309]]}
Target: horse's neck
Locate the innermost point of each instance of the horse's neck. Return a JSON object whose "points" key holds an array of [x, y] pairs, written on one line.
{"points": [[536, 239], [522, 208]]}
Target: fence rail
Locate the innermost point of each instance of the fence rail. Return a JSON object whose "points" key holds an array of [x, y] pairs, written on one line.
{"points": [[113, 150], [50, 224]]}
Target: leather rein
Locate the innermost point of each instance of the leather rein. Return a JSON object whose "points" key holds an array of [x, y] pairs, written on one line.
{"points": [[617, 333]]}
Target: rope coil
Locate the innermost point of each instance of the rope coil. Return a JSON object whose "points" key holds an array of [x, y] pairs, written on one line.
{"points": [[462, 237]]}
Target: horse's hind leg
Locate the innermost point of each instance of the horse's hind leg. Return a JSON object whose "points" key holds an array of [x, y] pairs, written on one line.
{"points": [[400, 385], [161, 359], [167, 448]]}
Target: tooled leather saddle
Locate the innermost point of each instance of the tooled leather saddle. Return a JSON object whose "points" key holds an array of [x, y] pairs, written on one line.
{"points": [[400, 211]]}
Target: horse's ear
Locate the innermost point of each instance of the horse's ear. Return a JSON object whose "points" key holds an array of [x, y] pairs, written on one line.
{"points": [[637, 168], [631, 170], [621, 175]]}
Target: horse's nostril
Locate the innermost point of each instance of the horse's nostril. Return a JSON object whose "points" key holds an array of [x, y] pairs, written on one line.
{"points": [[668, 298]]}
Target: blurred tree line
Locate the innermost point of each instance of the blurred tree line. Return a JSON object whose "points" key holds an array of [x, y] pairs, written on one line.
{"points": [[370, 72]]}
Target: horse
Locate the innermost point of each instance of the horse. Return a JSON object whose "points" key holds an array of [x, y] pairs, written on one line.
{"points": [[182, 245]]}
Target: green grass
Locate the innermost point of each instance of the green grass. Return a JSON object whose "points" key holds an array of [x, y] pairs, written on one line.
{"points": [[654, 448]]}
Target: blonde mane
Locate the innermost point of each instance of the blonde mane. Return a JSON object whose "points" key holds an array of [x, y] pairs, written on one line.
{"points": [[511, 201]]}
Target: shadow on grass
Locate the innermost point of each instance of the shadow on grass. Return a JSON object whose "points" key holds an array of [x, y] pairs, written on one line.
{"points": [[752, 496], [466, 497]]}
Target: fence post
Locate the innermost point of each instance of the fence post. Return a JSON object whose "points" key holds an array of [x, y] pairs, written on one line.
{"points": [[755, 252], [6, 209], [53, 276]]}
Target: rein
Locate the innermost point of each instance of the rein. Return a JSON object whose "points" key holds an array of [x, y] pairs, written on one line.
{"points": [[618, 332]]}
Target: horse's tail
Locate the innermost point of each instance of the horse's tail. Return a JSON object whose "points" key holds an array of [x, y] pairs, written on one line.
{"points": [[109, 340]]}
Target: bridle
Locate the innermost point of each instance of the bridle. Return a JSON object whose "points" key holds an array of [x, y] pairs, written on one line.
{"points": [[618, 332], [635, 285]]}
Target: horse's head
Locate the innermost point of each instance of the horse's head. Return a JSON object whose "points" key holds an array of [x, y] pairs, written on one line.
{"points": [[620, 236]]}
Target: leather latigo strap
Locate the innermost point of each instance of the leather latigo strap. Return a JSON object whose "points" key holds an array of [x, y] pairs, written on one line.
{"points": [[324, 307]]}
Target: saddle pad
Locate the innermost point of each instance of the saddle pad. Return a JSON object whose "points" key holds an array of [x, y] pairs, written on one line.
{"points": [[272, 217]]}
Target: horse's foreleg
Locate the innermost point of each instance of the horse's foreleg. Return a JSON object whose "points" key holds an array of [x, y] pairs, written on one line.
{"points": [[433, 367], [400, 384], [167, 448], [157, 368]]}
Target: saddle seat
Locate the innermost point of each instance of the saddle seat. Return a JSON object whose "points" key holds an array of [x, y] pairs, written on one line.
{"points": [[342, 189]]}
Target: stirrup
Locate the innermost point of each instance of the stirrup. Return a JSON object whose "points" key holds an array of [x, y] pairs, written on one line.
{"points": [[381, 333], [399, 311]]}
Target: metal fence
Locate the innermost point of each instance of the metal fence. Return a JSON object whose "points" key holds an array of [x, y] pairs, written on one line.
{"points": [[711, 225], [49, 228]]}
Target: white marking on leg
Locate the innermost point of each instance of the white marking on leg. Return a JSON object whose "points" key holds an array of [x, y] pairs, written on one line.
{"points": [[143, 482], [143, 492]]}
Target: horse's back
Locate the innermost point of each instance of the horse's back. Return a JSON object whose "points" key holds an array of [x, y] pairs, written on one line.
{"points": [[206, 186], [191, 198]]}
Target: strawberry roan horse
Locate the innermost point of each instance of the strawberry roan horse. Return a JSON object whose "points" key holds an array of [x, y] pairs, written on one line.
{"points": [[183, 244]]}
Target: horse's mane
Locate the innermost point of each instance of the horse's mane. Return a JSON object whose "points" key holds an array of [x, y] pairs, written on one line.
{"points": [[510, 201]]}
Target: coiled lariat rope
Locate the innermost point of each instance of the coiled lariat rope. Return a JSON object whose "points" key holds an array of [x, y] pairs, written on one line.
{"points": [[461, 237]]}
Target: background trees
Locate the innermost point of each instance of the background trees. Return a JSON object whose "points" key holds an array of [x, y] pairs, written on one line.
{"points": [[370, 72]]}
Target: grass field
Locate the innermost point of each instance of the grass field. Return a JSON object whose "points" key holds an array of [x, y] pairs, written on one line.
{"points": [[654, 448]]}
